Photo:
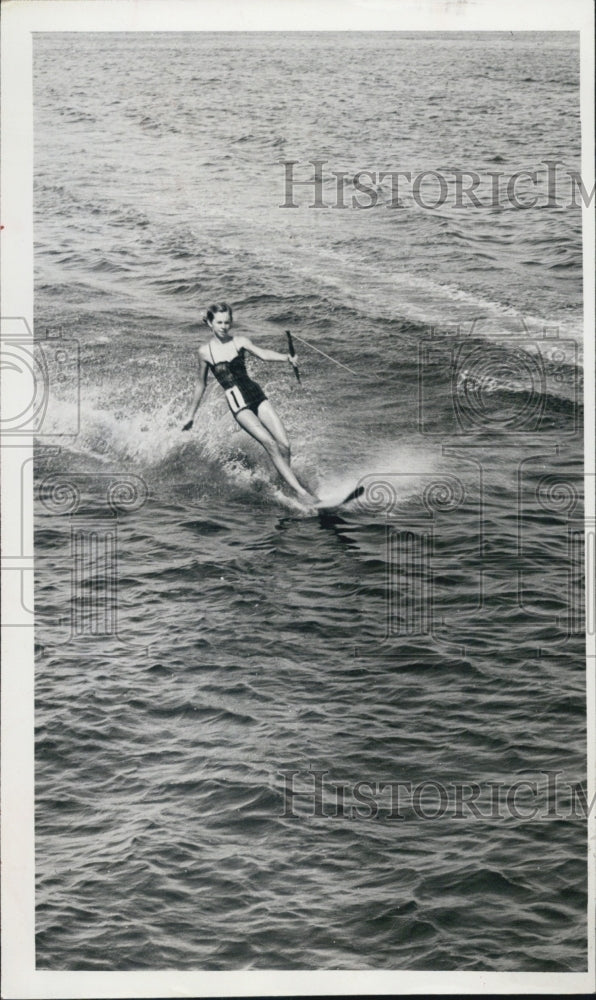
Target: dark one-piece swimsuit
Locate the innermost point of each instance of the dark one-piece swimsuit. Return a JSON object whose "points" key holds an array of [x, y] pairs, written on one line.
{"points": [[241, 392]]}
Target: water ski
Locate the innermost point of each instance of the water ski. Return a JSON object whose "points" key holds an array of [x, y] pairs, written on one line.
{"points": [[354, 495]]}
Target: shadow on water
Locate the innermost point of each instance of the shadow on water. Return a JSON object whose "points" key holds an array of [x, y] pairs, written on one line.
{"points": [[330, 521]]}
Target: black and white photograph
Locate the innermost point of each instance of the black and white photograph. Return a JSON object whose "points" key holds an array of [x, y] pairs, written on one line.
{"points": [[298, 543]]}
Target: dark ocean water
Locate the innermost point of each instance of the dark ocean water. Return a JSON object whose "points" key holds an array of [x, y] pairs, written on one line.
{"points": [[199, 634]]}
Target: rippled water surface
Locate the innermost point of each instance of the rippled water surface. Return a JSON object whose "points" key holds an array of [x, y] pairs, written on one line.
{"points": [[200, 635]]}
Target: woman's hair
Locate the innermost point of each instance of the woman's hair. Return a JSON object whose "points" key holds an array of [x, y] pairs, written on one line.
{"points": [[219, 307]]}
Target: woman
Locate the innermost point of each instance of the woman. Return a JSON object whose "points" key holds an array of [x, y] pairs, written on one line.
{"points": [[224, 356]]}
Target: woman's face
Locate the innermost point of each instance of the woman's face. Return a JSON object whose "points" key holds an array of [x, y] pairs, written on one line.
{"points": [[221, 323]]}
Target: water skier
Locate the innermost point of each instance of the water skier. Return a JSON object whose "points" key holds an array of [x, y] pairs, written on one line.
{"points": [[224, 356]]}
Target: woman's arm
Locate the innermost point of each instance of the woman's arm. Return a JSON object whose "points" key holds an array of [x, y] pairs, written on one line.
{"points": [[262, 352], [198, 393]]}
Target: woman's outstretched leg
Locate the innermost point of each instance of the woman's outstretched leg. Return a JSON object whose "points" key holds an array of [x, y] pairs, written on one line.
{"points": [[272, 421], [253, 426]]}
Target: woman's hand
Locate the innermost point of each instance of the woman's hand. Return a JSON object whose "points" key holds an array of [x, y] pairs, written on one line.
{"points": [[188, 425], [293, 359]]}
